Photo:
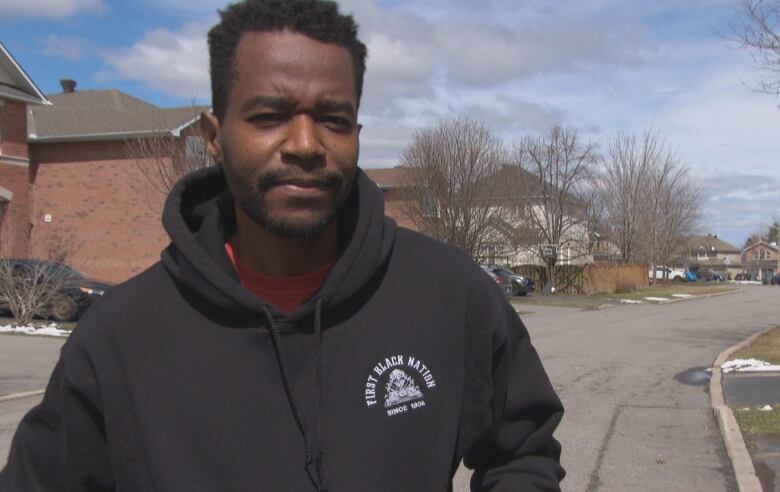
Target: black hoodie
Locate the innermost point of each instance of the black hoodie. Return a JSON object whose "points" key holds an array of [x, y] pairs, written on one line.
{"points": [[407, 361]]}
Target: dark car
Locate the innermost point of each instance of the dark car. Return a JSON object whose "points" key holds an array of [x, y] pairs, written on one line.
{"points": [[518, 285], [71, 292], [775, 280], [742, 277], [503, 284]]}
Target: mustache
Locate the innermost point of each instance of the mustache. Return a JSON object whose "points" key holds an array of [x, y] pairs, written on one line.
{"points": [[323, 177]]}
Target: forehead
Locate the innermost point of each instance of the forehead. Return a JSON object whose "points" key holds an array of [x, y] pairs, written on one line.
{"points": [[284, 61]]}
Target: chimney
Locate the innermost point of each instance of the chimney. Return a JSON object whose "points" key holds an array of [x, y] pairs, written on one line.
{"points": [[68, 86]]}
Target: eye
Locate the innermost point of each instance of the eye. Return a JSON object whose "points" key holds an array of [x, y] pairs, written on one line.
{"points": [[267, 119], [336, 123]]}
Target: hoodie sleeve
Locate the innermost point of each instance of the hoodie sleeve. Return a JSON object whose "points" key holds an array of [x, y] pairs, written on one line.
{"points": [[518, 450], [60, 445]]}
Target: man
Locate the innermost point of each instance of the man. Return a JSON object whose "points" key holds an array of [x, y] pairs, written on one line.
{"points": [[292, 338]]}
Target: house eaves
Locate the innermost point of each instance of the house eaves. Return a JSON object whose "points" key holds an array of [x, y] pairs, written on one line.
{"points": [[176, 132], [20, 87], [92, 137]]}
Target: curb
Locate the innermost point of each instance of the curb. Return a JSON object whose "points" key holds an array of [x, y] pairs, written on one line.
{"points": [[703, 296], [744, 471], [25, 394]]}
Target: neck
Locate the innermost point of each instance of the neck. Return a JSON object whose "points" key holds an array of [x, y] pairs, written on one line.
{"points": [[274, 256]]}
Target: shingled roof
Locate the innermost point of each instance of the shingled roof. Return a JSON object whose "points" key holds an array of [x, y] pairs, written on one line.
{"points": [[391, 177], [104, 115], [15, 83], [693, 243]]}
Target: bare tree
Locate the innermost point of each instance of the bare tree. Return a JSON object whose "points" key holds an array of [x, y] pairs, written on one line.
{"points": [[165, 158], [627, 169], [673, 210], [34, 287], [558, 186], [652, 204], [446, 196], [758, 30]]}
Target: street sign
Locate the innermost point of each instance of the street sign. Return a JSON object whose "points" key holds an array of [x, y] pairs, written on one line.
{"points": [[550, 250]]}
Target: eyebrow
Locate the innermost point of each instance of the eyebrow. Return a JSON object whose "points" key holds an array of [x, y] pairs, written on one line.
{"points": [[332, 106], [272, 102], [283, 104]]}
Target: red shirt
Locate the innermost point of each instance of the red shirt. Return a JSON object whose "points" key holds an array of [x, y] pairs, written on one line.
{"points": [[286, 293]]}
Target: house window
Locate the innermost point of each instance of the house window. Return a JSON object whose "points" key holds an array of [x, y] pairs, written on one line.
{"points": [[702, 253], [429, 204]]}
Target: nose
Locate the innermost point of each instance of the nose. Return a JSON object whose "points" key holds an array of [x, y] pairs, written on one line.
{"points": [[303, 145]]}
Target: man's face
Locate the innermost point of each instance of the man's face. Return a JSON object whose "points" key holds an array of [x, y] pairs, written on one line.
{"points": [[288, 141]]}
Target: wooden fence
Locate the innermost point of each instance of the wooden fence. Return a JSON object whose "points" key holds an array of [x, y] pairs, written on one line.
{"points": [[593, 278]]}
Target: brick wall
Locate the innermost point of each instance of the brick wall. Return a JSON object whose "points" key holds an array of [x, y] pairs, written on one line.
{"points": [[101, 207], [15, 224], [395, 208], [13, 128]]}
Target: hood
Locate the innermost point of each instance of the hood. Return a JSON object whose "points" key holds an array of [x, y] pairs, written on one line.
{"points": [[199, 217]]}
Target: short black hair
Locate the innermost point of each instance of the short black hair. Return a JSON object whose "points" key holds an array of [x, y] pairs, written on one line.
{"points": [[317, 19]]}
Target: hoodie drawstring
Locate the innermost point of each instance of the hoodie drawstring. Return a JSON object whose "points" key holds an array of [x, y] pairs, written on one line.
{"points": [[312, 444]]}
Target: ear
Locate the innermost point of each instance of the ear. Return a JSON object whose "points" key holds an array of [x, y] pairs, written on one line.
{"points": [[209, 127]]}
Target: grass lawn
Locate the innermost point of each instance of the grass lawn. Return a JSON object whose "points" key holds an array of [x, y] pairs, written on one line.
{"points": [[766, 348], [668, 289], [558, 300], [665, 290], [39, 322], [755, 421]]}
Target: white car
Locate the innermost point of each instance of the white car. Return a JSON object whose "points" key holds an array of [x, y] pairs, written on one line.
{"points": [[667, 273]]}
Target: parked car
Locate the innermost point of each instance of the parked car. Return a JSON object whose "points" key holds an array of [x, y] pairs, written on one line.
{"points": [[668, 273], [775, 280], [75, 292], [742, 277], [518, 285], [504, 284]]}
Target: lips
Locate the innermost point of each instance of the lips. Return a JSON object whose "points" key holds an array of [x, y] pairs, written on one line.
{"points": [[300, 183]]}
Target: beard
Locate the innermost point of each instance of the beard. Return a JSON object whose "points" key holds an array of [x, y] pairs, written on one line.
{"points": [[299, 218]]}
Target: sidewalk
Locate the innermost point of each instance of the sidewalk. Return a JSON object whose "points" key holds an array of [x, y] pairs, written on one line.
{"points": [[758, 469]]}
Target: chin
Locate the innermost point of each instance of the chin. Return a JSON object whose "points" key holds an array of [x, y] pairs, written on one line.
{"points": [[296, 225]]}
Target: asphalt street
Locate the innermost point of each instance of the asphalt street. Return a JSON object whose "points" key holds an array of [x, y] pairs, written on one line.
{"points": [[629, 424], [751, 389]]}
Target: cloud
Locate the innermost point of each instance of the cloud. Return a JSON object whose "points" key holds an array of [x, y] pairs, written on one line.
{"points": [[55, 9], [738, 204], [174, 62], [69, 48]]}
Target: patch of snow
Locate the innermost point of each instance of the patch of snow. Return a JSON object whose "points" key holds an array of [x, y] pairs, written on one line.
{"points": [[766, 408], [656, 299], [630, 301], [748, 365], [49, 330], [682, 295], [748, 282]]}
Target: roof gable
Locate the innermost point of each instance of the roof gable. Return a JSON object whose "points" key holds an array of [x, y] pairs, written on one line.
{"points": [[760, 243], [105, 115], [391, 177], [15, 83], [710, 243]]}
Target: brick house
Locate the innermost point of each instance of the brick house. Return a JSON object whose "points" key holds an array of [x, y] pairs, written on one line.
{"points": [[760, 260], [711, 255], [78, 187], [91, 191], [512, 241], [393, 181], [17, 93]]}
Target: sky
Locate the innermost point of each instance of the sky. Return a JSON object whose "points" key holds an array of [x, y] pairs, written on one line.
{"points": [[599, 66]]}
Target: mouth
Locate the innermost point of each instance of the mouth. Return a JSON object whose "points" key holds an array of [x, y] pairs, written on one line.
{"points": [[302, 186]]}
